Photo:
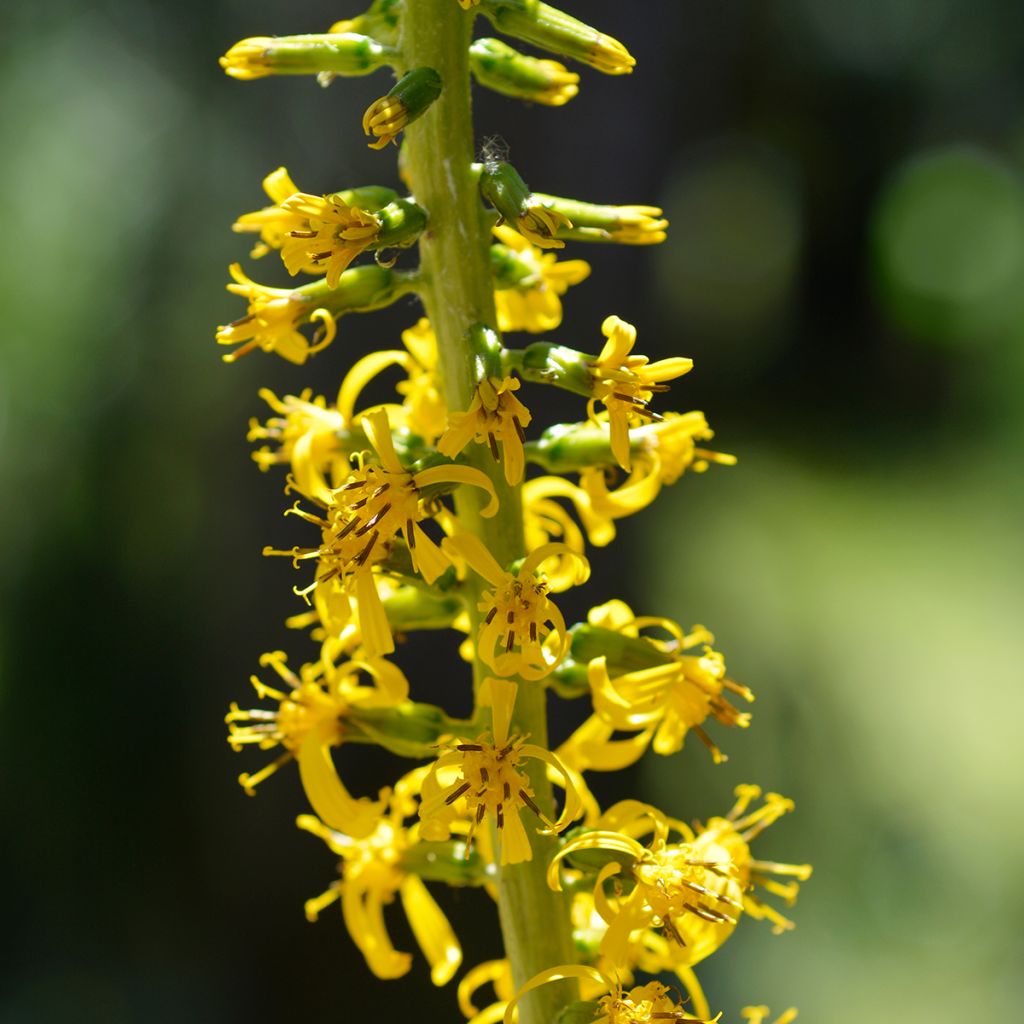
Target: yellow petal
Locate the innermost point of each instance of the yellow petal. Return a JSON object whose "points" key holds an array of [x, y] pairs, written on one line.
{"points": [[500, 696], [324, 790], [459, 475], [364, 918], [361, 374], [432, 930]]}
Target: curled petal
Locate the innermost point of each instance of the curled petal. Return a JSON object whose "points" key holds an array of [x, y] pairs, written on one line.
{"points": [[460, 475], [361, 374], [471, 549], [364, 918], [432, 930], [332, 802]]}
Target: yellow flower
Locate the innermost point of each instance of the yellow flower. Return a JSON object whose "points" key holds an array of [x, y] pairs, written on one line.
{"points": [[309, 720], [540, 224], [316, 234], [306, 434], [372, 873], [760, 1014], [735, 832], [625, 383], [694, 889], [360, 520], [523, 633], [467, 4], [494, 416], [661, 702], [661, 452], [273, 320], [642, 1004], [533, 302], [486, 776]]}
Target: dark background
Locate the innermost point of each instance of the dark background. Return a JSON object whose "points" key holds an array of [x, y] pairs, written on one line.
{"points": [[845, 265]]}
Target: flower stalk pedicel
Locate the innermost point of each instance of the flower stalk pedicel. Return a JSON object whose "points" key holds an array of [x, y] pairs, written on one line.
{"points": [[451, 509]]}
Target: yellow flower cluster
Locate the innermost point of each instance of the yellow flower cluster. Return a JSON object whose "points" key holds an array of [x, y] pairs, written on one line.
{"points": [[444, 507]]}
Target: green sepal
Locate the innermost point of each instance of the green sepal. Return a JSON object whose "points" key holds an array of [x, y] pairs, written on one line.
{"points": [[509, 269], [448, 862], [407, 730], [623, 653], [569, 447], [545, 362], [370, 198], [416, 606], [569, 680]]}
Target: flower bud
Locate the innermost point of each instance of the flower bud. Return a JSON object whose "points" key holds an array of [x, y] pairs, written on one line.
{"points": [[503, 187], [498, 66], [554, 30], [407, 101], [337, 54]]}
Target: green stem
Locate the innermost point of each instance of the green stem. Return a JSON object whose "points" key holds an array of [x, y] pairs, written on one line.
{"points": [[457, 291]]}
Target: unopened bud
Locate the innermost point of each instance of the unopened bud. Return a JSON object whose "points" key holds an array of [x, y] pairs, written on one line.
{"points": [[337, 54], [554, 30], [498, 66], [409, 99]]}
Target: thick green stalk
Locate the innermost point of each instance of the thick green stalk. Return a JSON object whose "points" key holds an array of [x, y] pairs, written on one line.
{"points": [[457, 291]]}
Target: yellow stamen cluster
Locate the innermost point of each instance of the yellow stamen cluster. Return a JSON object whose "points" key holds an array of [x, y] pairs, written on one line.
{"points": [[539, 224], [273, 320], [495, 417], [486, 777]]}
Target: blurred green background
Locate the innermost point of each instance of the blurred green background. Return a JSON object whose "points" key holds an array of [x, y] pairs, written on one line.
{"points": [[846, 267]]}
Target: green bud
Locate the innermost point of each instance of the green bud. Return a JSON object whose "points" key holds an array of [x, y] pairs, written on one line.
{"points": [[409, 99], [569, 447], [401, 223], [623, 653], [364, 288], [370, 198], [485, 345], [449, 862], [337, 54], [554, 30], [498, 66], [408, 730], [547, 363], [413, 607]]}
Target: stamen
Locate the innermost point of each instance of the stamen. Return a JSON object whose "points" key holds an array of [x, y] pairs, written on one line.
{"points": [[455, 794]]}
